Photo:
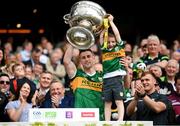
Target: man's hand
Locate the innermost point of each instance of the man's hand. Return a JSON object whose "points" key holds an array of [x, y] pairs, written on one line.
{"points": [[140, 89], [124, 62], [55, 100]]}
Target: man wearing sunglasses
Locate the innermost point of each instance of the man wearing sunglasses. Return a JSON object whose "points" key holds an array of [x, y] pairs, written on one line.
{"points": [[4, 95], [4, 83]]}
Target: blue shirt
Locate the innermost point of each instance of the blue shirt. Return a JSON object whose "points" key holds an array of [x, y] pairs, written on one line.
{"points": [[25, 112]]}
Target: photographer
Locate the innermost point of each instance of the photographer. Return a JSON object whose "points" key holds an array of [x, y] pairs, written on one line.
{"points": [[148, 105]]}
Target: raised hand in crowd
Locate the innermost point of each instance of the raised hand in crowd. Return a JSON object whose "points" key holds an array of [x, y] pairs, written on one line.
{"points": [[33, 100]]}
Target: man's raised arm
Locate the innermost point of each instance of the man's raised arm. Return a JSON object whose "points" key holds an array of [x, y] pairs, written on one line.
{"points": [[68, 63]]}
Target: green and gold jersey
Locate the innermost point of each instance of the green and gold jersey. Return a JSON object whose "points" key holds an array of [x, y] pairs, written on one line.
{"points": [[149, 61], [88, 91], [111, 58]]}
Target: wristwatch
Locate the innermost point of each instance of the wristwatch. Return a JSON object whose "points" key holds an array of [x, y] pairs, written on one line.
{"points": [[141, 95]]}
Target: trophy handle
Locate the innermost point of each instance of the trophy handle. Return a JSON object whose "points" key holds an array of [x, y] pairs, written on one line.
{"points": [[66, 18]]}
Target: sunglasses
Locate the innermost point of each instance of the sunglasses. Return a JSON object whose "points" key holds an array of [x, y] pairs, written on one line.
{"points": [[5, 82]]}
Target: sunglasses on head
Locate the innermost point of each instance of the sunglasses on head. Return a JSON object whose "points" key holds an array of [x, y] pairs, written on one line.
{"points": [[4, 82]]}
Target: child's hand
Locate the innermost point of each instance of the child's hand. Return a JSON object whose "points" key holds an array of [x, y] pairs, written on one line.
{"points": [[110, 18]]}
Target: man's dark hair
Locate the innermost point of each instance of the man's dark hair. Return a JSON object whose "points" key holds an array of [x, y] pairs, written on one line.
{"points": [[81, 51], [36, 50], [4, 74]]}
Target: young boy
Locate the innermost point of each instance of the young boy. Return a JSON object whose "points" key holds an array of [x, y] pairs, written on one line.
{"points": [[113, 58]]}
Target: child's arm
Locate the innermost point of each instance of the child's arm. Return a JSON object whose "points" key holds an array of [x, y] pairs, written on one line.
{"points": [[114, 28]]}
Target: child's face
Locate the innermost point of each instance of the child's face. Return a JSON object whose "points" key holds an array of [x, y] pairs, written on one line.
{"points": [[19, 71], [111, 42]]}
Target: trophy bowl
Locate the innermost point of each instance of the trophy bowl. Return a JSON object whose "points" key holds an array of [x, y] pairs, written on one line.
{"points": [[86, 22]]}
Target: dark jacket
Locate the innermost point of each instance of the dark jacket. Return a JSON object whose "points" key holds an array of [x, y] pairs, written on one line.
{"points": [[3, 102], [66, 102]]}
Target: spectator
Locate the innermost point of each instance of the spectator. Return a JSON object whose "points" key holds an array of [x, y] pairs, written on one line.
{"points": [[18, 109], [55, 67], [175, 99], [4, 84], [44, 84], [37, 71], [19, 78], [156, 70], [26, 52], [57, 98], [153, 56], [29, 72], [147, 103], [5, 95], [167, 85], [35, 58]]}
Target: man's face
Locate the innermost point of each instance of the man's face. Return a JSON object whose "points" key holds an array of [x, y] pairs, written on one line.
{"points": [[57, 89], [153, 46], [45, 80], [54, 58], [36, 56], [4, 83], [87, 59], [148, 82], [171, 69], [38, 69], [156, 71]]}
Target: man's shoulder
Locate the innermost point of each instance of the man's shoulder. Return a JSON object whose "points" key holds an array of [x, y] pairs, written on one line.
{"points": [[28, 62], [163, 57], [68, 97], [159, 97]]}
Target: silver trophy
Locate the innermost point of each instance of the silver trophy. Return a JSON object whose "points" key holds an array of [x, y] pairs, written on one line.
{"points": [[86, 22]]}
